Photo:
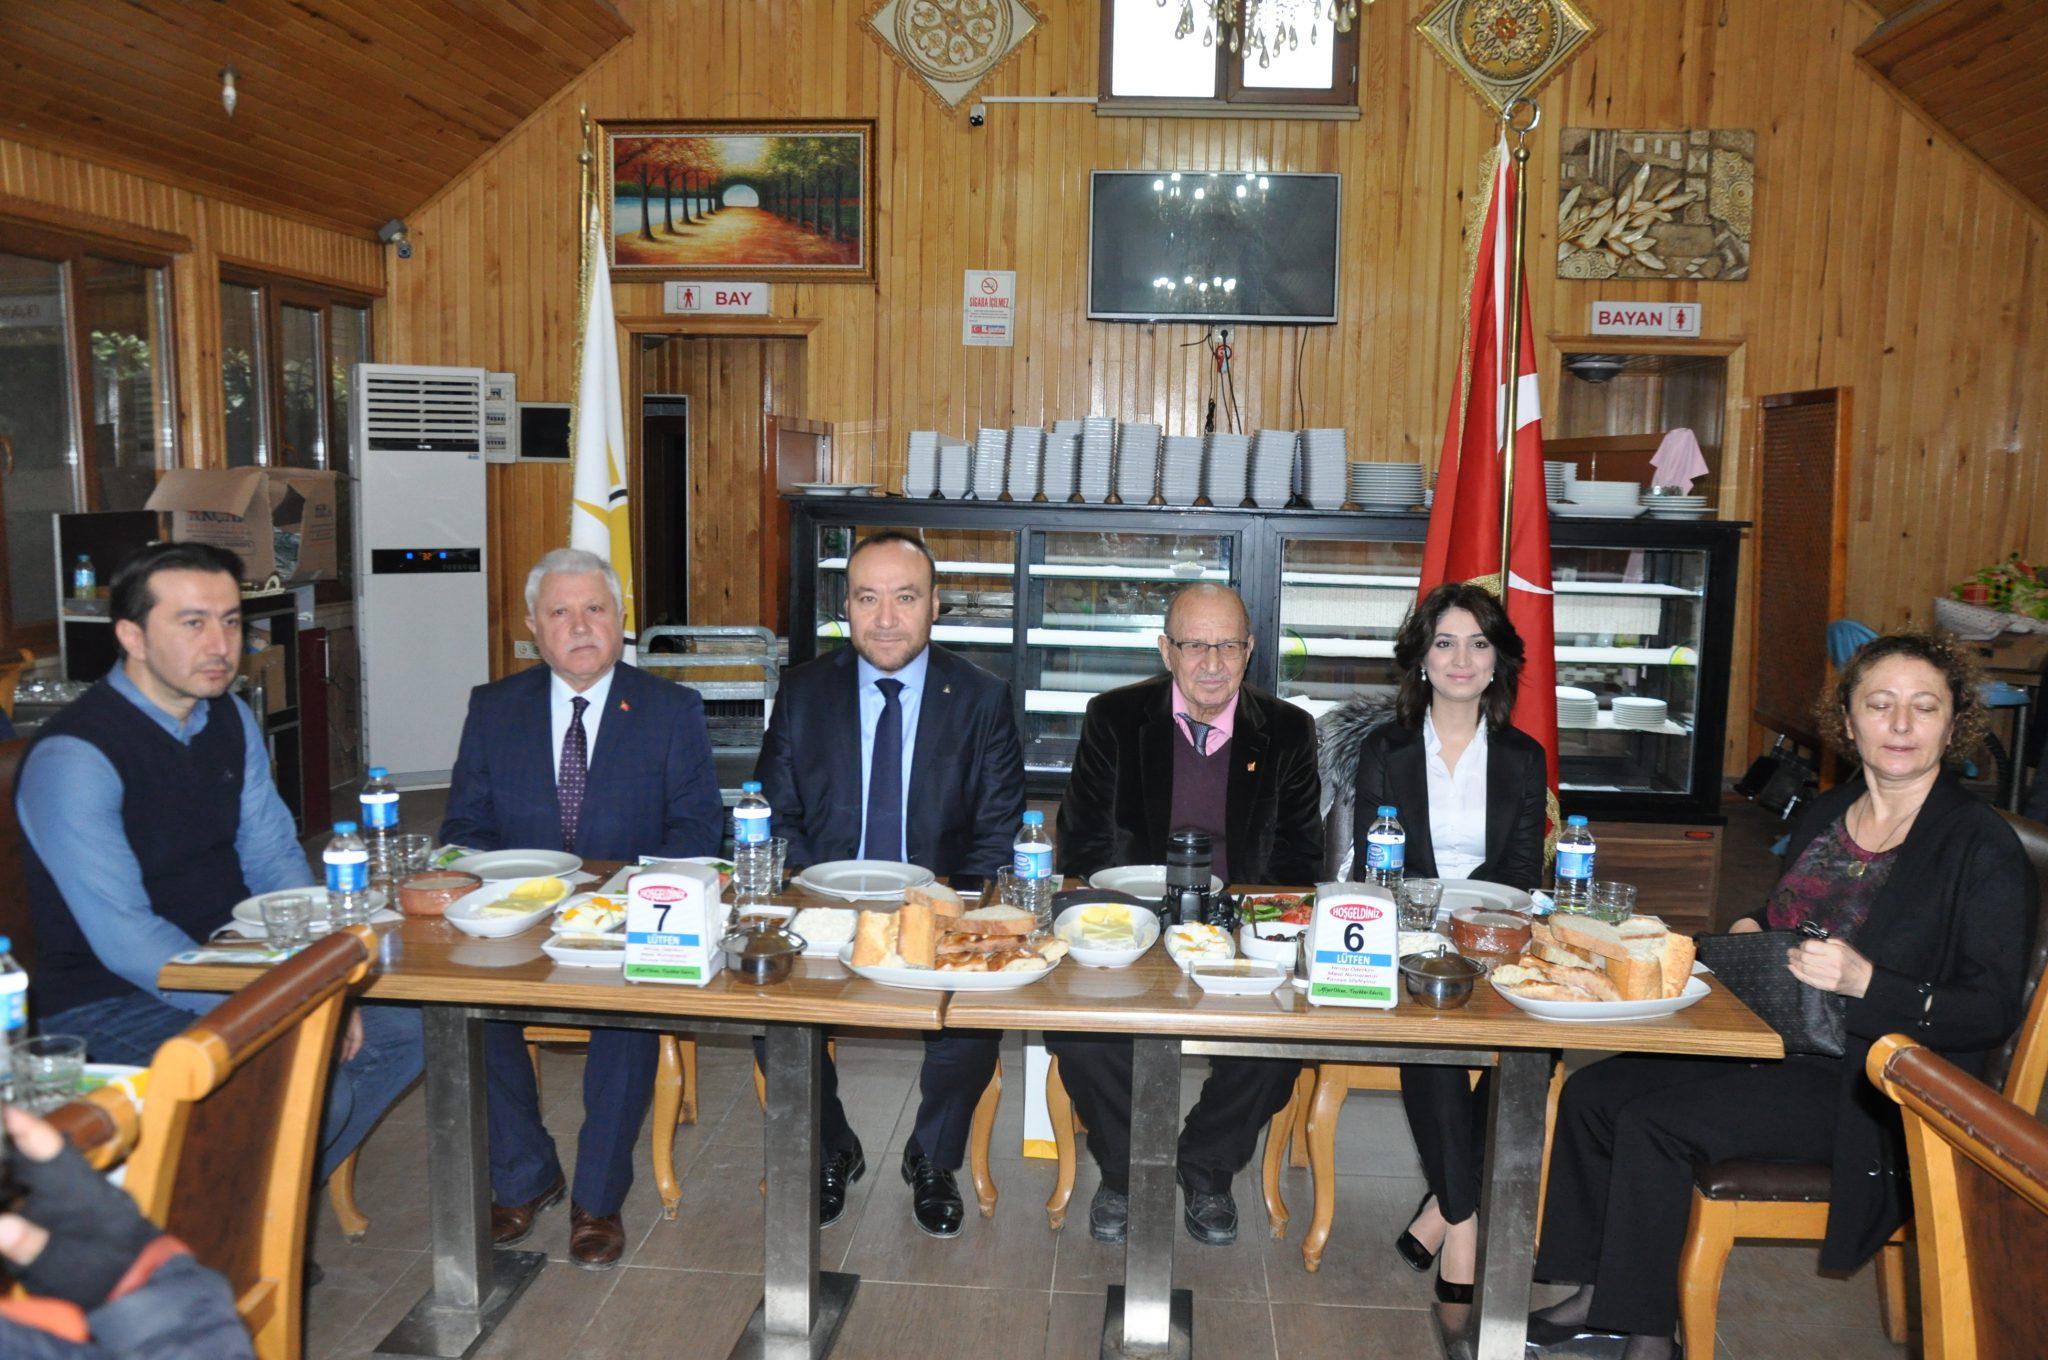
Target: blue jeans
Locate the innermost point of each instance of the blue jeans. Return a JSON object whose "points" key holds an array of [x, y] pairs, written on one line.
{"points": [[130, 1028]]}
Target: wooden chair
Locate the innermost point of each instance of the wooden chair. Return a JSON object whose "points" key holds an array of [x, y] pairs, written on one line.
{"points": [[1980, 1203], [675, 1098], [229, 1132], [1788, 1201], [10, 680]]}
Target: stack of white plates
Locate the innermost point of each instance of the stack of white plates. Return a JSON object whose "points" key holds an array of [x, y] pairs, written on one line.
{"points": [[1558, 479], [1576, 707], [1027, 460], [1137, 462], [1229, 471], [991, 450], [1098, 443], [922, 477], [1323, 470], [1062, 461], [1386, 486], [954, 468], [1630, 711], [1180, 479], [1669, 506], [1272, 468], [1603, 500]]}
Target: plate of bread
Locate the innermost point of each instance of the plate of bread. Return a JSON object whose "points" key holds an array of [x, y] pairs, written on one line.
{"points": [[1578, 968], [935, 945]]}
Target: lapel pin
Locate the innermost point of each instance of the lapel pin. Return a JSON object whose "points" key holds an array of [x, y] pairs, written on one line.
{"points": [[945, 689], [1251, 767], [625, 707]]}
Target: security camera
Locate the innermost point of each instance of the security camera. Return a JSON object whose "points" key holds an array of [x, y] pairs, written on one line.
{"points": [[977, 115], [394, 230]]}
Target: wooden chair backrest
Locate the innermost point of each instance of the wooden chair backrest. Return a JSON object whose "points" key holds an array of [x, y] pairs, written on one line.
{"points": [[2019, 1068], [15, 922], [103, 1126], [1980, 1203], [230, 1127]]}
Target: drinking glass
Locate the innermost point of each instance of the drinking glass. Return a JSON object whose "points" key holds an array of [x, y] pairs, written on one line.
{"points": [[414, 849], [285, 919], [1420, 897], [1001, 890], [387, 865], [778, 856], [1612, 901], [48, 1070]]}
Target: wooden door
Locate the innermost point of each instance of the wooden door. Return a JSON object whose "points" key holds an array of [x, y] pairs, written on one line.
{"points": [[1802, 552]]}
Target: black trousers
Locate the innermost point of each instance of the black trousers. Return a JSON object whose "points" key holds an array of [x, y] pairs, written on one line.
{"points": [[1447, 1116], [1630, 1131], [957, 1068], [1221, 1133]]}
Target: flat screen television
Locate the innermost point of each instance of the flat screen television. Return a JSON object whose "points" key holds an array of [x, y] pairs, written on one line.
{"points": [[1184, 245]]}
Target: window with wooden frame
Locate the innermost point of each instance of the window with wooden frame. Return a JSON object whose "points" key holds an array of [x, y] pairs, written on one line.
{"points": [[87, 411], [1147, 69], [288, 350]]}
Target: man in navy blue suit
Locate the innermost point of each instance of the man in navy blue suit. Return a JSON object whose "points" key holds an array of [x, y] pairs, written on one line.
{"points": [[591, 755], [896, 749]]}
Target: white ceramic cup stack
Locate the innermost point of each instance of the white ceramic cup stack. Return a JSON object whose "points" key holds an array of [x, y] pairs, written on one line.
{"points": [[1098, 446], [1324, 473], [1137, 462], [1062, 462], [1180, 477], [1272, 479], [1027, 461], [991, 451], [921, 476], [956, 466], [1227, 479]]}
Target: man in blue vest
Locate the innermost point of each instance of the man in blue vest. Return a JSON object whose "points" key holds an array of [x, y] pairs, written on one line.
{"points": [[149, 813], [594, 756]]}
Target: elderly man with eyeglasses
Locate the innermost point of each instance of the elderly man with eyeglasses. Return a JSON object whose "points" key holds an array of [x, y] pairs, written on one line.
{"points": [[1196, 748]]}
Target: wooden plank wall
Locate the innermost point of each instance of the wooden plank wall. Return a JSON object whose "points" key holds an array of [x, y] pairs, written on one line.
{"points": [[68, 192], [1884, 259]]}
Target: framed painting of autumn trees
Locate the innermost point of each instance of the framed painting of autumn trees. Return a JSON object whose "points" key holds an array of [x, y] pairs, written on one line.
{"points": [[790, 199]]}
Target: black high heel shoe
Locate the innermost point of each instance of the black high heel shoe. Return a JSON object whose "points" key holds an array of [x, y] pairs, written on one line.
{"points": [[1418, 1257]]}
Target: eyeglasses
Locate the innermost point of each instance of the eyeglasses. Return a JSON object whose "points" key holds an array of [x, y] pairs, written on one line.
{"points": [[1202, 651]]}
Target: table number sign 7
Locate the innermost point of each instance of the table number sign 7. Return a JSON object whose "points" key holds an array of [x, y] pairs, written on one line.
{"points": [[674, 921]]}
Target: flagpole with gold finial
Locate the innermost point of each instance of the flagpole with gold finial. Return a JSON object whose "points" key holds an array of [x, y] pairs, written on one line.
{"points": [[585, 162], [1511, 361]]}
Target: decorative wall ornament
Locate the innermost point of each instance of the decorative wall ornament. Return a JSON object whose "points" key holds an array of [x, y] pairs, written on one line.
{"points": [[1506, 48], [951, 46], [1637, 204]]}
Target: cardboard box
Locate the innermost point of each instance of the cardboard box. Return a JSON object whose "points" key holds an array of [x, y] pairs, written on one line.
{"points": [[265, 666], [279, 520]]}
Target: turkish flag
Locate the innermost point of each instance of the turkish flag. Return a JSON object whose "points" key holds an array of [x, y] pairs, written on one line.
{"points": [[1464, 523]]}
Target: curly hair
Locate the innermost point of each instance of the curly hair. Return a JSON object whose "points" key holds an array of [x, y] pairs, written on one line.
{"points": [[1418, 631], [1969, 719]]}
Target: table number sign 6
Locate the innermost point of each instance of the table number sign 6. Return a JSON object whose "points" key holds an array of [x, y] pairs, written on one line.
{"points": [[1353, 940]]}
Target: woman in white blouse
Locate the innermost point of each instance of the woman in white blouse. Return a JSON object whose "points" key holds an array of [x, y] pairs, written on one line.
{"points": [[1470, 792]]}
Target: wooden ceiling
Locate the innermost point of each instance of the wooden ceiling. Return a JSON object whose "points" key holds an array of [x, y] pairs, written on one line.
{"points": [[1978, 68], [350, 112]]}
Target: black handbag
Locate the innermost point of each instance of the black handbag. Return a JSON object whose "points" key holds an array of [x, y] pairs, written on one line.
{"points": [[1752, 967]]}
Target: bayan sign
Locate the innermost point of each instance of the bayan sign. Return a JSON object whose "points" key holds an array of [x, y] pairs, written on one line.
{"points": [[1646, 318]]}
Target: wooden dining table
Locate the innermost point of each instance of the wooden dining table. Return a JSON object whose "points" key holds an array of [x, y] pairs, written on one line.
{"points": [[461, 983], [1166, 1015]]}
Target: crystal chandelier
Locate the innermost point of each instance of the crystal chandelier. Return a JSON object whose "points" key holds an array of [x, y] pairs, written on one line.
{"points": [[1264, 26]]}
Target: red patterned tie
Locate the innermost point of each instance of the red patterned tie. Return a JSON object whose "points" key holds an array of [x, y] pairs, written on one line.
{"points": [[574, 772]]}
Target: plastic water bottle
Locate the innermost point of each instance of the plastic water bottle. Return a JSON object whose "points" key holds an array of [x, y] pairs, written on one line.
{"points": [[753, 859], [1386, 850], [1031, 863], [85, 582], [13, 1013], [348, 877], [1574, 866], [379, 800]]}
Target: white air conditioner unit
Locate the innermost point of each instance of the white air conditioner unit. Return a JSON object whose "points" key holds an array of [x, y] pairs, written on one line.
{"points": [[422, 579]]}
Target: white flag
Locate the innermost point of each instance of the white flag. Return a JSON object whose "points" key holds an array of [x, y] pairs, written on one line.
{"points": [[600, 519]]}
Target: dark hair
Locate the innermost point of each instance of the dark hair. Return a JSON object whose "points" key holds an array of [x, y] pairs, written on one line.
{"points": [[1418, 631], [1958, 670], [129, 594], [881, 536]]}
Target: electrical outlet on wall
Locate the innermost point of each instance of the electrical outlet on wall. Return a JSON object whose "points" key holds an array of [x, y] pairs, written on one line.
{"points": [[524, 650]]}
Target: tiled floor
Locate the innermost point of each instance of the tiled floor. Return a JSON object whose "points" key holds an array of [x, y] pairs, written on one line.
{"points": [[1007, 1287]]}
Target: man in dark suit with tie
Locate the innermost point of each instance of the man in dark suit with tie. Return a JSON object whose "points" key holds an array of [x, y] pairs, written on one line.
{"points": [[1194, 748], [895, 749], [591, 755]]}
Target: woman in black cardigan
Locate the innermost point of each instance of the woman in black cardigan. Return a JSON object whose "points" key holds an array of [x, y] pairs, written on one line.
{"points": [[1929, 901], [1460, 660]]}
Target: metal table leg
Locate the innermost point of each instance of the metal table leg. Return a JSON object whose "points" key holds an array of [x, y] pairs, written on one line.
{"points": [[801, 1306], [473, 1285], [1496, 1327], [1147, 1316]]}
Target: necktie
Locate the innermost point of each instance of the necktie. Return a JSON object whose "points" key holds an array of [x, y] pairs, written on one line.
{"points": [[1198, 732], [574, 772], [884, 827]]}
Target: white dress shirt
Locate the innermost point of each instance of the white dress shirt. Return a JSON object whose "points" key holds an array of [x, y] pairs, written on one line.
{"points": [[559, 709], [1457, 803]]}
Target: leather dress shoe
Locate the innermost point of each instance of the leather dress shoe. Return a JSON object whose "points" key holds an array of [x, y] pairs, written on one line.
{"points": [[1211, 1217], [1109, 1215], [511, 1223], [595, 1241], [839, 1170], [934, 1199]]}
